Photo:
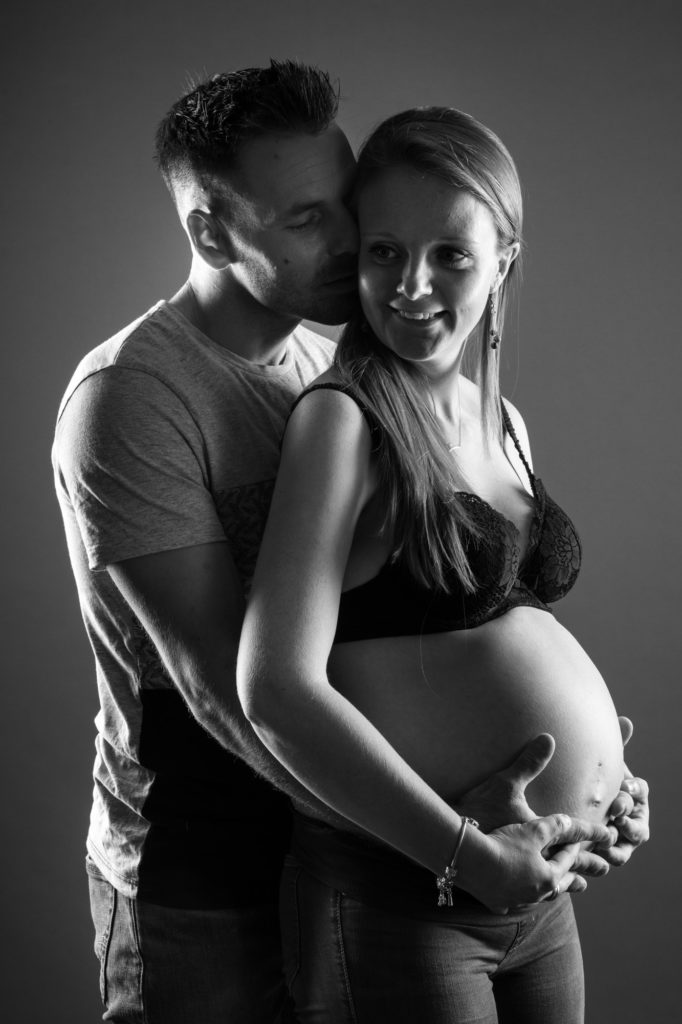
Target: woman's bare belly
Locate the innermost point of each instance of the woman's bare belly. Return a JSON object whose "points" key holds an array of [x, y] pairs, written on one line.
{"points": [[459, 706]]}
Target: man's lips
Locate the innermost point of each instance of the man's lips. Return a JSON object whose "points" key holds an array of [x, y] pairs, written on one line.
{"points": [[345, 282], [343, 273]]}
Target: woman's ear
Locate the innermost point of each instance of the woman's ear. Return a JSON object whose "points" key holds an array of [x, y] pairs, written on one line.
{"points": [[504, 262], [209, 239]]}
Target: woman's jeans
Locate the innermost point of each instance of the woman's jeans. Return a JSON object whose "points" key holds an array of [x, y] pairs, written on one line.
{"points": [[166, 965], [348, 962]]}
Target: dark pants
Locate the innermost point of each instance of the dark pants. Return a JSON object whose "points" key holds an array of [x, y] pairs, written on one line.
{"points": [[164, 965]]}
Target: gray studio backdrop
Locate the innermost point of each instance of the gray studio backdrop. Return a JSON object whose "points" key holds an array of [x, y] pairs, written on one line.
{"points": [[587, 97]]}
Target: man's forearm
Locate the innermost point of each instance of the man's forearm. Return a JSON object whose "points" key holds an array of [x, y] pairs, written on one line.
{"points": [[226, 722], [190, 604]]}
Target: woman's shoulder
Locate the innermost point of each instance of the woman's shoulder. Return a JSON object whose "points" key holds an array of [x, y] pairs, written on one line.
{"points": [[513, 414], [518, 427], [330, 376], [329, 432], [333, 397]]}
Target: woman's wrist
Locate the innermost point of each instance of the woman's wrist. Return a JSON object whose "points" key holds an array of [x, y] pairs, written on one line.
{"points": [[477, 859], [446, 881]]}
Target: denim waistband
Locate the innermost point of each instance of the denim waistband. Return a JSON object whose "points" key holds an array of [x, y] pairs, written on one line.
{"points": [[375, 874]]}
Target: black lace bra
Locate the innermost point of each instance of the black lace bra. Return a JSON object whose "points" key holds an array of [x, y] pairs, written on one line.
{"points": [[393, 603]]}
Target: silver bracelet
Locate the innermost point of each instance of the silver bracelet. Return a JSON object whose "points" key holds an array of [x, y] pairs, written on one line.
{"points": [[446, 881]]}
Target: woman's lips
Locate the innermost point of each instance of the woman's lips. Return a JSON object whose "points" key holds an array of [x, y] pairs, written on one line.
{"points": [[418, 316]]}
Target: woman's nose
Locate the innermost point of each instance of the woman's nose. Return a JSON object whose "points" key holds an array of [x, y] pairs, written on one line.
{"points": [[415, 281]]}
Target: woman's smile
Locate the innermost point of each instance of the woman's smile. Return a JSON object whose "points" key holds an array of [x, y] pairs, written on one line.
{"points": [[416, 317]]}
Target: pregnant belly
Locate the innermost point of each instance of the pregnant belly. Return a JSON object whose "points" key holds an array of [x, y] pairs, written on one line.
{"points": [[459, 706]]}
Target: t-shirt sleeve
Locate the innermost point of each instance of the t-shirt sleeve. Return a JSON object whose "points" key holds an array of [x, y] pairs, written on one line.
{"points": [[131, 461]]}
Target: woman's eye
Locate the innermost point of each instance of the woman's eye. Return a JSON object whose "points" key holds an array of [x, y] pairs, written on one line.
{"points": [[453, 257], [381, 252]]}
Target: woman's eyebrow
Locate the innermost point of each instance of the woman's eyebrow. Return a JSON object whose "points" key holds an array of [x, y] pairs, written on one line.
{"points": [[459, 238]]}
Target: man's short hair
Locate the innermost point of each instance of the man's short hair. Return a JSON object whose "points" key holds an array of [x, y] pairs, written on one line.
{"points": [[200, 137]]}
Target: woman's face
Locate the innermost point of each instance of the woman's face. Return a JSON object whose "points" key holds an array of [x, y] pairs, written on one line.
{"points": [[429, 259]]}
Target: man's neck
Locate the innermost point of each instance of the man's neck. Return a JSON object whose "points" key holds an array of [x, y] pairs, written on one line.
{"points": [[231, 317]]}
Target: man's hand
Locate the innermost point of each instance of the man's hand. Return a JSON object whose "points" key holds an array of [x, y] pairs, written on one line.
{"points": [[501, 799], [629, 812]]}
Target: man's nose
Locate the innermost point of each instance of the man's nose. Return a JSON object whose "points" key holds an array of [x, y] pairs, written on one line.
{"points": [[415, 280], [345, 239]]}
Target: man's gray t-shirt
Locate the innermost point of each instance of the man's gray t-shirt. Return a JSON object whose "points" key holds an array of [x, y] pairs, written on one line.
{"points": [[166, 440]]}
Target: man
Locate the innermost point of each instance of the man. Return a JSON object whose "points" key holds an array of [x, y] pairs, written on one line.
{"points": [[165, 455], [166, 451]]}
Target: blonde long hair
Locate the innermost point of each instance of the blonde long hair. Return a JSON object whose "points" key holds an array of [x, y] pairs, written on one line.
{"points": [[424, 514]]}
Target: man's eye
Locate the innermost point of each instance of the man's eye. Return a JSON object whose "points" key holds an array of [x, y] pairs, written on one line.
{"points": [[309, 222]]}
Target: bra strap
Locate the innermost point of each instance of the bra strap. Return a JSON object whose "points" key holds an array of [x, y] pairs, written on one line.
{"points": [[509, 427], [370, 418]]}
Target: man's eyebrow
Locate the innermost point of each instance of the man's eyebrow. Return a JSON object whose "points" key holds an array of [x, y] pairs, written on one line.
{"points": [[302, 207]]}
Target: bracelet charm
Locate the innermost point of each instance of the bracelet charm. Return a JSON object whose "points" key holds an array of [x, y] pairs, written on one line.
{"points": [[446, 881]]}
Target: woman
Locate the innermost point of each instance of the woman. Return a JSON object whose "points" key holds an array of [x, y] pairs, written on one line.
{"points": [[398, 647]]}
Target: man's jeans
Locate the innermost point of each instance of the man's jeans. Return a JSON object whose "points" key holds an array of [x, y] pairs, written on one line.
{"points": [[348, 962], [163, 965]]}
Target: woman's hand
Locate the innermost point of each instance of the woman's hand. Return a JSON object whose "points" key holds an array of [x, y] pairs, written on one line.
{"points": [[629, 812], [526, 863]]}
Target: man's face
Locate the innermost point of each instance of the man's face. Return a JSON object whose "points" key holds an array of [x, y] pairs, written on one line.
{"points": [[293, 239]]}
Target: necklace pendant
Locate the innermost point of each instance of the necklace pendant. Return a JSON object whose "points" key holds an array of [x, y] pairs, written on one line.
{"points": [[454, 447]]}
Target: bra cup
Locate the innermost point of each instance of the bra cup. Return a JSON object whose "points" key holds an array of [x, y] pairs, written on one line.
{"points": [[554, 564], [493, 556]]}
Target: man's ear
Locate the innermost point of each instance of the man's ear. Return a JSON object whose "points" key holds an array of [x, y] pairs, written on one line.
{"points": [[209, 239]]}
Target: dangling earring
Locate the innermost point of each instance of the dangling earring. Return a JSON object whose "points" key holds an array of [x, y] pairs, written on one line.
{"points": [[493, 333]]}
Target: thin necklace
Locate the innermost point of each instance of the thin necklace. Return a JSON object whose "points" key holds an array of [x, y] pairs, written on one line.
{"points": [[458, 444]]}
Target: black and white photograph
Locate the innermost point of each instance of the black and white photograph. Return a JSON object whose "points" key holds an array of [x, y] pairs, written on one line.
{"points": [[342, 512]]}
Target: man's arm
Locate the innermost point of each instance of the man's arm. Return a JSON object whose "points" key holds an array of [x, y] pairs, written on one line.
{"points": [[129, 459], [190, 603]]}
